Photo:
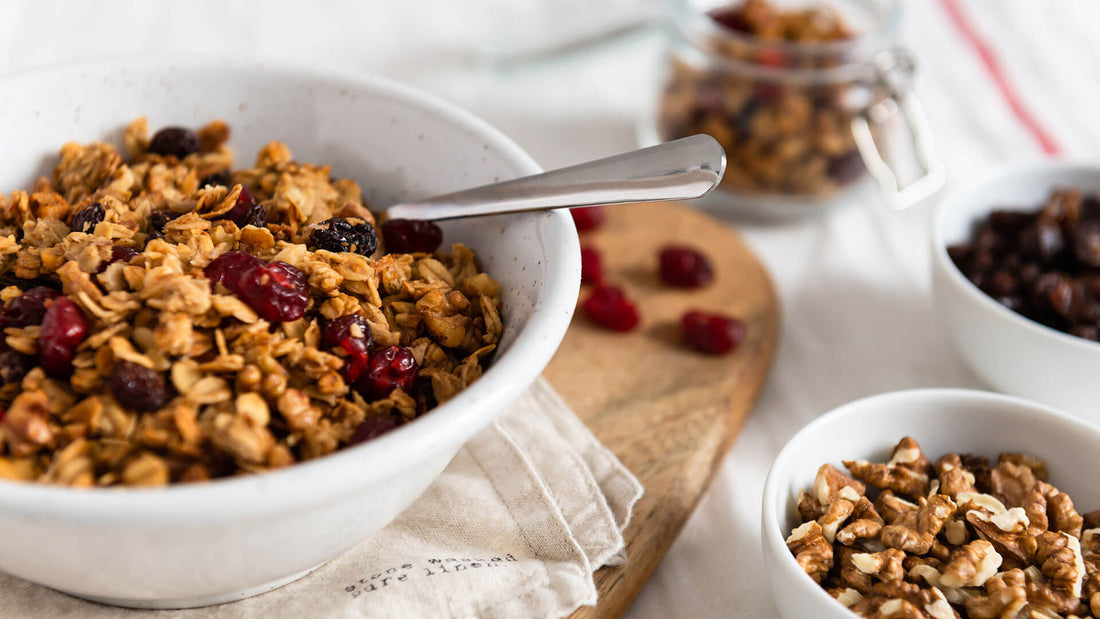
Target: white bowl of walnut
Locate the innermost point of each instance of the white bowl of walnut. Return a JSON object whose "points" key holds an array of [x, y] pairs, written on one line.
{"points": [[935, 503], [157, 367]]}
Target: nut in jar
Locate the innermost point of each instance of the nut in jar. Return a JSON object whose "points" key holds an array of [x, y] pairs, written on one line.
{"points": [[799, 97]]}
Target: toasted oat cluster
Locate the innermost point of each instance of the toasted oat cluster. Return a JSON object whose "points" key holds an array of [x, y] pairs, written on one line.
{"points": [[781, 136], [959, 537], [170, 319]]}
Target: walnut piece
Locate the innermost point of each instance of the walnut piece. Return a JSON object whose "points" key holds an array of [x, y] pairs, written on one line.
{"points": [[830, 481], [998, 543], [899, 479], [916, 531], [812, 551], [971, 566]]}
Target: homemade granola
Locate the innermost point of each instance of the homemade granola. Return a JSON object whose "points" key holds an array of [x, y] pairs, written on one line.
{"points": [[739, 83], [958, 537], [169, 319]]}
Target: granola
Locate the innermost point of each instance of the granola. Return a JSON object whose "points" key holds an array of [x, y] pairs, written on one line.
{"points": [[969, 540], [742, 81], [168, 318]]}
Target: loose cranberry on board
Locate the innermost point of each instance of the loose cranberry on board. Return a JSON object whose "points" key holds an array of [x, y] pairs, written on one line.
{"points": [[712, 333], [588, 218], [608, 307], [685, 267]]}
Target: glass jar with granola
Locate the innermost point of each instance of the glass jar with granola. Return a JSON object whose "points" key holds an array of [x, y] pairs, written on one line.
{"points": [[800, 94]]}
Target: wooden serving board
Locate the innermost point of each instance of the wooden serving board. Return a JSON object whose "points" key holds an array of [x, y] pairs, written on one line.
{"points": [[670, 414]]}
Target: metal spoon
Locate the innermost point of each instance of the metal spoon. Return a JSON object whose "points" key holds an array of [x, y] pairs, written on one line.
{"points": [[679, 170]]}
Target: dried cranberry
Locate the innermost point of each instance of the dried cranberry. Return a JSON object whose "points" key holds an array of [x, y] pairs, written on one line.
{"points": [[174, 142], [137, 387], [608, 307], [406, 236], [389, 368], [217, 178], [14, 365], [767, 91], [352, 334], [229, 268], [29, 308], [246, 212], [372, 427], [338, 235], [276, 291], [63, 328], [118, 254], [88, 217], [685, 267], [712, 333], [773, 58], [588, 218], [591, 269]]}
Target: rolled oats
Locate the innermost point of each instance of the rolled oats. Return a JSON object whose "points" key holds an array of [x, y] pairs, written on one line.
{"points": [[244, 394]]}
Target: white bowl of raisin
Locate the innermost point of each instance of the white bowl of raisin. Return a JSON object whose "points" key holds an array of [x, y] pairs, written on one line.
{"points": [[1016, 277], [218, 371], [939, 503]]}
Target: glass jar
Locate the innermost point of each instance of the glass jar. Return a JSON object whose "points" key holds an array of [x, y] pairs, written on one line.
{"points": [[802, 123]]}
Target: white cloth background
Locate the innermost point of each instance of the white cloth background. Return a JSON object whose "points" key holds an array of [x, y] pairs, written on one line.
{"points": [[854, 285]]}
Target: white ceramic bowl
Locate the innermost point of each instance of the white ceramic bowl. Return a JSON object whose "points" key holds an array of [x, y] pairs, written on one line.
{"points": [[1013, 353], [207, 543], [942, 421]]}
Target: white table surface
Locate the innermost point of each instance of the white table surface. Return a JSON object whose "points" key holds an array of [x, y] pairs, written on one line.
{"points": [[857, 312]]}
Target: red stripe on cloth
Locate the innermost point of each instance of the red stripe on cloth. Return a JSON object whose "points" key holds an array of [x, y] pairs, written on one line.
{"points": [[1047, 142]]}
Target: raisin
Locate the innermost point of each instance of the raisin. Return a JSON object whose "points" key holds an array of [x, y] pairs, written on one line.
{"points": [[339, 235], [731, 17], [423, 394], [14, 365], [372, 427], [174, 142], [137, 387], [88, 217], [846, 168], [118, 254], [217, 178], [246, 212], [29, 308]]}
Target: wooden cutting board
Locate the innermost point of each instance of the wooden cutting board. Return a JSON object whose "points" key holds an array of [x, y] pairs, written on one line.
{"points": [[668, 413]]}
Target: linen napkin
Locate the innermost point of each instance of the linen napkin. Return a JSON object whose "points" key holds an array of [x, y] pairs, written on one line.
{"points": [[514, 527]]}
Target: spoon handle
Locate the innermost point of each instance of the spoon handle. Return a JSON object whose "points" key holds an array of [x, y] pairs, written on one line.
{"points": [[679, 170]]}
